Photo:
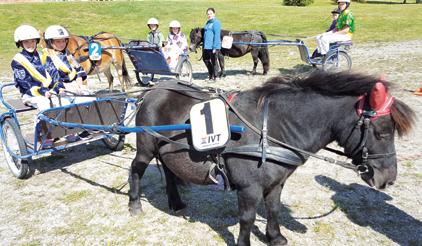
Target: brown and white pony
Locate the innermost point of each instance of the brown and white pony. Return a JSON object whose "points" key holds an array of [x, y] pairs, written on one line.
{"points": [[78, 47]]}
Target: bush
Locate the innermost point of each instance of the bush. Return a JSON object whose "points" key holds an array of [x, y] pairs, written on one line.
{"points": [[297, 2]]}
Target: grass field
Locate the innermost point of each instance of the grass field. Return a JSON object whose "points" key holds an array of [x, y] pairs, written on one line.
{"points": [[375, 22]]}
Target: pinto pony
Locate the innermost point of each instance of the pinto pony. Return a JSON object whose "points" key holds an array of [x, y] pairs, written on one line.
{"points": [[237, 50], [288, 120], [78, 47]]}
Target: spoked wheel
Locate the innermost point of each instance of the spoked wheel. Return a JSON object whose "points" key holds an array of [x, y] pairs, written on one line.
{"points": [[185, 72], [337, 62], [143, 79], [14, 141], [114, 142]]}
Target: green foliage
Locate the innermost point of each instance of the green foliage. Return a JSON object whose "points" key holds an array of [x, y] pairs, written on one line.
{"points": [[298, 2]]}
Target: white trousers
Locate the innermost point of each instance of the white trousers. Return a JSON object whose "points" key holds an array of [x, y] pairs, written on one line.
{"points": [[42, 102], [323, 40]]}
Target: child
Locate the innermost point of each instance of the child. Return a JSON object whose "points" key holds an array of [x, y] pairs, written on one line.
{"points": [[177, 44], [31, 78], [70, 72], [345, 27], [154, 36], [335, 13]]}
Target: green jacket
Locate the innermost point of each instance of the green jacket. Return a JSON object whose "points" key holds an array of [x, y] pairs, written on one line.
{"points": [[346, 18]]}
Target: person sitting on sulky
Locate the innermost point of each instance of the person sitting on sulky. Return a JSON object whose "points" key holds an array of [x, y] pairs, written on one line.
{"points": [[177, 44], [345, 27]]}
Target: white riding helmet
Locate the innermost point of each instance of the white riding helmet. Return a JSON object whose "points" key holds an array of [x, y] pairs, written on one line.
{"points": [[152, 21], [25, 32], [56, 32], [343, 1], [174, 23]]}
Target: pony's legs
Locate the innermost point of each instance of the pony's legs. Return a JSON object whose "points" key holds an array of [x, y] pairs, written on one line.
{"points": [[272, 205], [248, 200], [174, 201], [220, 58], [110, 78], [122, 73], [137, 170], [264, 58], [254, 53]]}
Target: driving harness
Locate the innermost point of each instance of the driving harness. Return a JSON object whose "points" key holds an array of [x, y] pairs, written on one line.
{"points": [[89, 39], [282, 153]]}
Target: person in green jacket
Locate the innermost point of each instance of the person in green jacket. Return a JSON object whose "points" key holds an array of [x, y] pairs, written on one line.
{"points": [[344, 30]]}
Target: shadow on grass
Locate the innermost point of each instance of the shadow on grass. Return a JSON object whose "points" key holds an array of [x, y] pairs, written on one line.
{"points": [[368, 207], [298, 70], [204, 75], [215, 208], [64, 158]]}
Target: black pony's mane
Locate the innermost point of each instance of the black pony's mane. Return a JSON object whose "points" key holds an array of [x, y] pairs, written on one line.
{"points": [[330, 84], [339, 84]]}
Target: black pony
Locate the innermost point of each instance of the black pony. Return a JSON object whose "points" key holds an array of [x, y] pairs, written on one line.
{"points": [[237, 50], [306, 113]]}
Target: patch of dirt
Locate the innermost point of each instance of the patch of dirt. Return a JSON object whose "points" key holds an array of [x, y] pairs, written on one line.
{"points": [[78, 196]]}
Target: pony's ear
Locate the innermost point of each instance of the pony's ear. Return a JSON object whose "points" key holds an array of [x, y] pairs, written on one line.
{"points": [[379, 96]]}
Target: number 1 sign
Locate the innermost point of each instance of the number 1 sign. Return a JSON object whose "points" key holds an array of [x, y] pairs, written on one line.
{"points": [[210, 128]]}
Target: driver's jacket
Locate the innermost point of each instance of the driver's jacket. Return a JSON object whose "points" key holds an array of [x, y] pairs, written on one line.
{"points": [[66, 65], [31, 76]]}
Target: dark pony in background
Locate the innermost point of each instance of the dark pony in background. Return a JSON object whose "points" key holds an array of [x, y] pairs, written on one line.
{"points": [[306, 113], [258, 52]]}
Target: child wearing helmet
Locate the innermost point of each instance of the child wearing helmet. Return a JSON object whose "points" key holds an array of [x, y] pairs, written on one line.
{"points": [[345, 27], [34, 82], [154, 36], [335, 13], [32, 79], [177, 44], [70, 72]]}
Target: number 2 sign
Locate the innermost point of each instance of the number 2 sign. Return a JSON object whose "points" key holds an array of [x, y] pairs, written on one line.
{"points": [[94, 50], [209, 125]]}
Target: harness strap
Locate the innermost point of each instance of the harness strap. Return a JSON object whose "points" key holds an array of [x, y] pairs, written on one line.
{"points": [[264, 132], [166, 139], [303, 153]]}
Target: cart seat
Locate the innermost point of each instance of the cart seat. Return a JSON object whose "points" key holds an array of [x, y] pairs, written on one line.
{"points": [[19, 106]]}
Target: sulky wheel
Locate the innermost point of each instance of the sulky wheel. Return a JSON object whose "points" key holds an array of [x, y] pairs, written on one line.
{"points": [[114, 142], [185, 72], [14, 144], [337, 62]]}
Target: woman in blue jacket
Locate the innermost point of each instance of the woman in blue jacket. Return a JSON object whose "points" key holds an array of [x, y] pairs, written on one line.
{"points": [[212, 44]]}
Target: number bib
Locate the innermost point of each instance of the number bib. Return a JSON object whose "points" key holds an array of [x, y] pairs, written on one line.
{"points": [[94, 50], [210, 128]]}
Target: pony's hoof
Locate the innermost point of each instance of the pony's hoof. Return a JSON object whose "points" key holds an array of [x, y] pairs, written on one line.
{"points": [[178, 208], [279, 241], [135, 209]]}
